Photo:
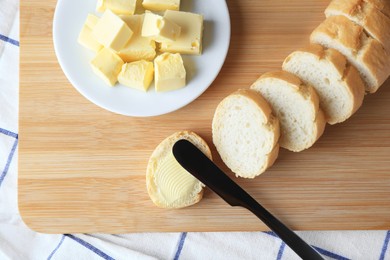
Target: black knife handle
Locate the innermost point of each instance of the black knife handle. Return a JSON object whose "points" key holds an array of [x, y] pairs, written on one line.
{"points": [[199, 165]]}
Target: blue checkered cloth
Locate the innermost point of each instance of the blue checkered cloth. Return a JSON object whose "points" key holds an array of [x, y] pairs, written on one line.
{"points": [[17, 241]]}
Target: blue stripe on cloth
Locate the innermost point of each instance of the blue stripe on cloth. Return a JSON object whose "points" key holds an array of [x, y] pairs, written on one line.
{"points": [[6, 39], [9, 133], [330, 254], [10, 156], [385, 245], [320, 250], [55, 249], [180, 246], [90, 247], [281, 250]]}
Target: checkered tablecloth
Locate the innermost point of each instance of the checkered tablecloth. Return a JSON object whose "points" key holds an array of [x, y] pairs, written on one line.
{"points": [[17, 241]]}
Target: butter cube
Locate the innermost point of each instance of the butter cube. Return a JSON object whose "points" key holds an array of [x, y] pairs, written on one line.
{"points": [[85, 37], [138, 75], [169, 72], [161, 5], [159, 28], [138, 48], [117, 6], [107, 65], [190, 38], [111, 31]]}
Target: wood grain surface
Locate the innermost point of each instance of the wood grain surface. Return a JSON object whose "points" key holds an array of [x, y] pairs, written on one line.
{"points": [[82, 169]]}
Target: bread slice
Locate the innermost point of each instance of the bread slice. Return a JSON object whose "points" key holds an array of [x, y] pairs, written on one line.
{"points": [[296, 105], [169, 185], [246, 133], [361, 50], [375, 23], [337, 82]]}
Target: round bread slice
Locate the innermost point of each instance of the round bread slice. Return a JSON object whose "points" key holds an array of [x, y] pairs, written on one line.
{"points": [[169, 185], [296, 105], [338, 83], [364, 52], [246, 133]]}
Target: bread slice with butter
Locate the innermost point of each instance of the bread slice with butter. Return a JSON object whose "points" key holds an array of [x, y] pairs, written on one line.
{"points": [[338, 83], [246, 133], [367, 15], [364, 52], [169, 185], [296, 105]]}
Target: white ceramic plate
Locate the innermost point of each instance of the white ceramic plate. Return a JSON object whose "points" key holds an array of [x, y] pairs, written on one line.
{"points": [[69, 18]]}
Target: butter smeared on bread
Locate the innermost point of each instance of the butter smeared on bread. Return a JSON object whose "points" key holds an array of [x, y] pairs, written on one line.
{"points": [[169, 185], [246, 133], [296, 105]]}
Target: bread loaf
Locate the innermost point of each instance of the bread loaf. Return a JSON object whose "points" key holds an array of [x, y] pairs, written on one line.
{"points": [[246, 133], [296, 105], [338, 83], [361, 50], [367, 15]]}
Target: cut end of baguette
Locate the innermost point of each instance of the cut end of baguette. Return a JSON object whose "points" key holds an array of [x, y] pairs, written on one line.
{"points": [[365, 53], [169, 185], [338, 84], [296, 105], [246, 133]]}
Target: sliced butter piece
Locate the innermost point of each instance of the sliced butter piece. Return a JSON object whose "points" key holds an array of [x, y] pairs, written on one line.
{"points": [[117, 6], [159, 28], [138, 75], [86, 38], [111, 31], [161, 5], [169, 73], [190, 38], [107, 66], [138, 47]]}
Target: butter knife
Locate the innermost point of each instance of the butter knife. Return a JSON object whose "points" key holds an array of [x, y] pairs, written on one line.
{"points": [[202, 168]]}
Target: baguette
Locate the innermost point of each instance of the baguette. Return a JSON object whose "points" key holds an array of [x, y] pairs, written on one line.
{"points": [[338, 83], [296, 105], [364, 13], [246, 133], [361, 50]]}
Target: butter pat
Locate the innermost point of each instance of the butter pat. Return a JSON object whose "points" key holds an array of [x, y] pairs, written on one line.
{"points": [[107, 66], [138, 47], [111, 31], [190, 39], [161, 5], [138, 75], [86, 38], [159, 28], [117, 6], [169, 73]]}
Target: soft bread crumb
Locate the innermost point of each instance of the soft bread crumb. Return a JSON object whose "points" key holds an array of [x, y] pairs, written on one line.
{"points": [[246, 133]]}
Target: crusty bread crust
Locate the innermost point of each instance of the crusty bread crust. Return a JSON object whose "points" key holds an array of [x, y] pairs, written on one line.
{"points": [[270, 122], [367, 15], [312, 99], [348, 77], [163, 150], [364, 52]]}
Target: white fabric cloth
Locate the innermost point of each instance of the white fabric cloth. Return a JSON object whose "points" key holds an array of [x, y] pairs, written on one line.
{"points": [[17, 241]]}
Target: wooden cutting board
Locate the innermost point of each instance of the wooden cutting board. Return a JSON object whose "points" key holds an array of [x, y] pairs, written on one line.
{"points": [[82, 169]]}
